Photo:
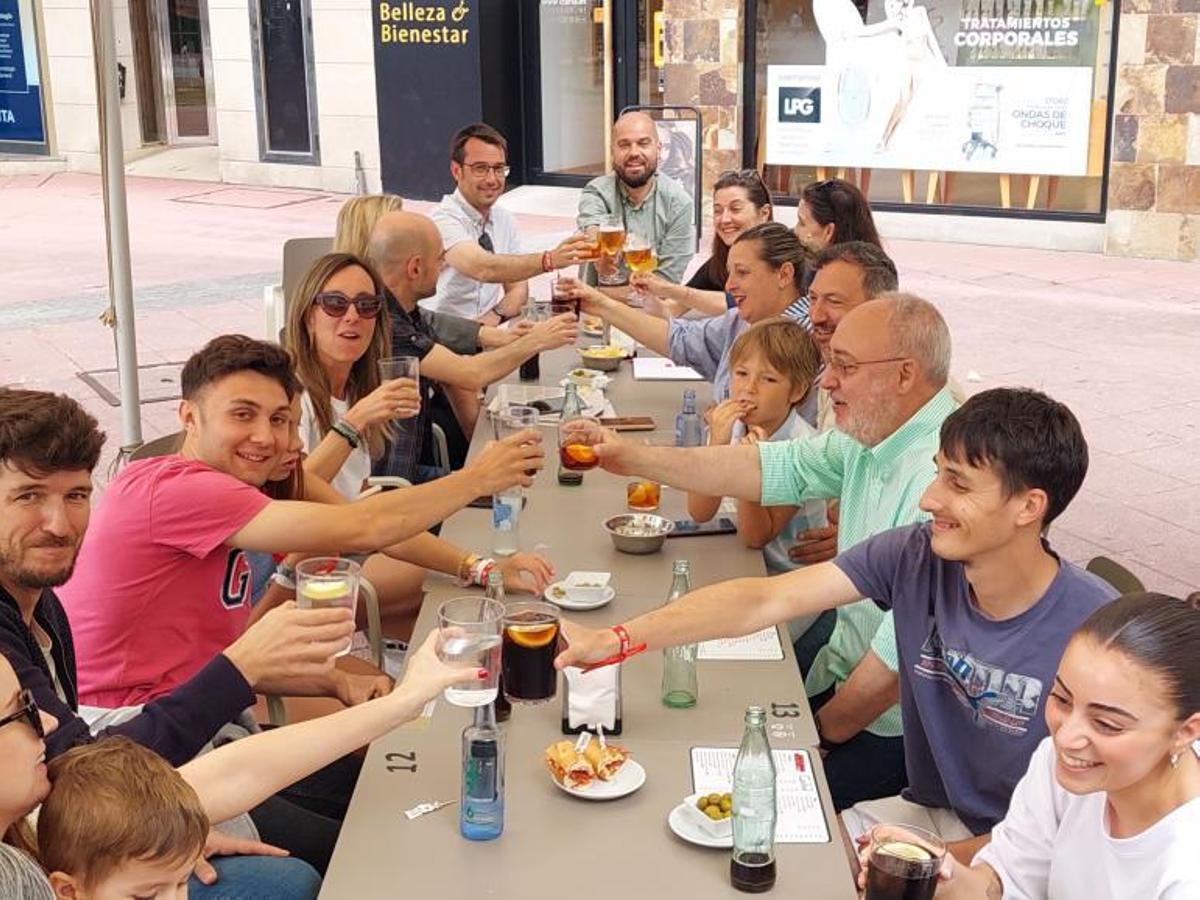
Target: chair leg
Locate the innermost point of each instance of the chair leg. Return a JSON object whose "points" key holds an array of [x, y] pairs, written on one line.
{"points": [[370, 598]]}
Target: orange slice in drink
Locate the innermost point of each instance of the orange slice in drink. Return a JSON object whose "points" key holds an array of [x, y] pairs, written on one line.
{"points": [[638, 495], [532, 636], [581, 453]]}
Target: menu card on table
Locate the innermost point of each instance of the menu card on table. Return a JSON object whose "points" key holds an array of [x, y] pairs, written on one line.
{"points": [[659, 368], [760, 645], [800, 819]]}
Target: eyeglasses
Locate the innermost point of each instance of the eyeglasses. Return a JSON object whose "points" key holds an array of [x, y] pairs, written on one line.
{"points": [[28, 710], [335, 304], [481, 170], [843, 368]]}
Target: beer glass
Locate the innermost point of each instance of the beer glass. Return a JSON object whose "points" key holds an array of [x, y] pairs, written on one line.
{"points": [[325, 581], [903, 864], [469, 635], [612, 239], [530, 645]]}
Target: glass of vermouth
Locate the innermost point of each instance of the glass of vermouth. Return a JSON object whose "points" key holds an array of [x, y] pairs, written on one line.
{"points": [[903, 864]]}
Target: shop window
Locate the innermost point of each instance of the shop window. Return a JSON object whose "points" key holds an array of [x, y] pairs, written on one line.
{"points": [[984, 104], [285, 88]]}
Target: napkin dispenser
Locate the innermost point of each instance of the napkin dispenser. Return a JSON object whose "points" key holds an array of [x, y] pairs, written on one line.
{"points": [[590, 699]]}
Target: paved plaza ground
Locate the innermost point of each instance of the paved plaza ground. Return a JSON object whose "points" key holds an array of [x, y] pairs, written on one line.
{"points": [[1116, 339]]}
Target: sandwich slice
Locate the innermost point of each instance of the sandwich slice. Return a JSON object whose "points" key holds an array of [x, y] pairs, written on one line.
{"points": [[606, 761], [570, 769]]}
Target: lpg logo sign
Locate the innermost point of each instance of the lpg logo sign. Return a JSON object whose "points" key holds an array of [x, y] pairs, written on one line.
{"points": [[800, 104]]}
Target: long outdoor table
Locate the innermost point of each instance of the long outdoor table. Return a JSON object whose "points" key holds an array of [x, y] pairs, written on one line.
{"points": [[554, 845]]}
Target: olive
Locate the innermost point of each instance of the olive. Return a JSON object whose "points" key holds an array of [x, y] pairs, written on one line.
{"points": [[702, 802], [726, 804], [713, 812]]}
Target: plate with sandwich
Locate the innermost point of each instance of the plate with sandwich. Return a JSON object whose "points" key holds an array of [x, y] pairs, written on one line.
{"points": [[592, 770]]}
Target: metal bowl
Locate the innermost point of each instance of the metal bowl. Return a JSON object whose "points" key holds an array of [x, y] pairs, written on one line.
{"points": [[600, 363], [649, 532]]}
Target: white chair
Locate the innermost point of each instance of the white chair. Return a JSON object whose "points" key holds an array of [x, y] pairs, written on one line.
{"points": [[298, 255]]}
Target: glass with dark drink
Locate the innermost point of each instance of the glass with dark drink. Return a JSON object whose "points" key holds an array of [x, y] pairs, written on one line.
{"points": [[529, 647], [561, 301], [574, 452], [903, 864]]}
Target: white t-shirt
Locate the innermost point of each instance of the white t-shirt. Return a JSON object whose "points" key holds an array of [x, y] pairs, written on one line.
{"points": [[356, 468], [1055, 844], [458, 221]]}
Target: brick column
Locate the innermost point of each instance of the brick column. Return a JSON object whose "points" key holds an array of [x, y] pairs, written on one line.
{"points": [[1154, 178], [702, 57]]}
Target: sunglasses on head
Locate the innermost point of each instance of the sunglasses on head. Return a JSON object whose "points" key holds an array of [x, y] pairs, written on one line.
{"points": [[27, 710], [335, 303]]}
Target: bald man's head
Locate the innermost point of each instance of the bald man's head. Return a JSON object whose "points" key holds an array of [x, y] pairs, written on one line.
{"points": [[635, 148], [406, 250]]}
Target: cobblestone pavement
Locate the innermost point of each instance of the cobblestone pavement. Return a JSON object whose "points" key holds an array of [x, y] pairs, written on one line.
{"points": [[1117, 339]]}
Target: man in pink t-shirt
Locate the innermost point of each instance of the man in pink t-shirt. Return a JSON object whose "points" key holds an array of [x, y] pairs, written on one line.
{"points": [[162, 584]]}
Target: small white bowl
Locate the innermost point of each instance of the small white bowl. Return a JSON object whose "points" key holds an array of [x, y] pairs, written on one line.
{"points": [[722, 828], [587, 587]]}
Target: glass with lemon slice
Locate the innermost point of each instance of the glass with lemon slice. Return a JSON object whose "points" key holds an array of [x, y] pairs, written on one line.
{"points": [[904, 863], [326, 581], [530, 645]]}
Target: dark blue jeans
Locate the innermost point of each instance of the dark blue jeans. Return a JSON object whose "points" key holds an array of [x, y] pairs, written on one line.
{"points": [[256, 877], [866, 767]]}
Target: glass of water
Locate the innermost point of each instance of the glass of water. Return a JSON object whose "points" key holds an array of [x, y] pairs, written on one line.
{"points": [[469, 634], [325, 581]]}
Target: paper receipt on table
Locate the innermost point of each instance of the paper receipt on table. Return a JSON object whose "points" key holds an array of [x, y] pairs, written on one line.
{"points": [[760, 645], [800, 819]]}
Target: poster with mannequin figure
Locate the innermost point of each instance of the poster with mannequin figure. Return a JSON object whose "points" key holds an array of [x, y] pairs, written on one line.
{"points": [[982, 91]]}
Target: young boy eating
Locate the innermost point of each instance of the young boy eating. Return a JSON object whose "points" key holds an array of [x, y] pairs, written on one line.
{"points": [[773, 367]]}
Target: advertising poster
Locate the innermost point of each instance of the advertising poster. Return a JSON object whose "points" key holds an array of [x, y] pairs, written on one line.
{"points": [[889, 97], [21, 120]]}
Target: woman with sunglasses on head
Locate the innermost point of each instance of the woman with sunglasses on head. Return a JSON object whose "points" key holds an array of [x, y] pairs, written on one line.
{"points": [[337, 333], [1110, 806], [740, 201]]}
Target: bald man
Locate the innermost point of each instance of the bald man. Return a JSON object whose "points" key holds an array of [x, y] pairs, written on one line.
{"points": [[647, 202], [887, 366], [406, 250]]}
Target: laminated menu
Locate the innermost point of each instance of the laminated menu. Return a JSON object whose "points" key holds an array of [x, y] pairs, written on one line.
{"points": [[760, 645], [800, 819]]}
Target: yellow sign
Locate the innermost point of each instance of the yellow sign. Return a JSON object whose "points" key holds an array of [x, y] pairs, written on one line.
{"points": [[422, 23]]}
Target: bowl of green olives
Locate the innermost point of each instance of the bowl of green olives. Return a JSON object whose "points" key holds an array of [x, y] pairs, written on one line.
{"points": [[711, 813]]}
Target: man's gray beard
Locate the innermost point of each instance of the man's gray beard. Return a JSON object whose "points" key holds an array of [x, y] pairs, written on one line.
{"points": [[641, 182]]}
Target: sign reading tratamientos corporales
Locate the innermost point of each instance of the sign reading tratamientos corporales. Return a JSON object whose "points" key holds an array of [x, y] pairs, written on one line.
{"points": [[427, 77]]}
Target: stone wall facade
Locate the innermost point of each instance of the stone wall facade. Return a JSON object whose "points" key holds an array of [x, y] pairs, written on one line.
{"points": [[1154, 176], [702, 58]]}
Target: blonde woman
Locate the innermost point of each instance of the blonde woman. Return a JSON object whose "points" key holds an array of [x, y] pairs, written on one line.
{"points": [[337, 332]]}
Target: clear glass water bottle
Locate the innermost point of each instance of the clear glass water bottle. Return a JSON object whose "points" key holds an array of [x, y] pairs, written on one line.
{"points": [[495, 591], [689, 429], [752, 868], [481, 810], [572, 409], [679, 686]]}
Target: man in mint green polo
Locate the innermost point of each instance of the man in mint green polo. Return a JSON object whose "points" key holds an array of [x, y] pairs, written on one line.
{"points": [[888, 365]]}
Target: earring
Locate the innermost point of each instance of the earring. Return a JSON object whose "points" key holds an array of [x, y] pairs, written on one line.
{"points": [[1175, 760]]}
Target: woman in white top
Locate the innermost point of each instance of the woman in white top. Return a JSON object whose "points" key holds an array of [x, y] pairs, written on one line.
{"points": [[1110, 806], [337, 332]]}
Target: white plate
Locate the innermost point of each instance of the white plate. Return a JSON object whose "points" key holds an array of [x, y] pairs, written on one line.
{"points": [[631, 777], [693, 834], [569, 602]]}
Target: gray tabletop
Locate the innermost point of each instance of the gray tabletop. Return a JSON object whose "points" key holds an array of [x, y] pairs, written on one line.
{"points": [[555, 845]]}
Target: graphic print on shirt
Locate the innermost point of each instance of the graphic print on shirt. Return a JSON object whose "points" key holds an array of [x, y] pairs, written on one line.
{"points": [[999, 699], [235, 587]]}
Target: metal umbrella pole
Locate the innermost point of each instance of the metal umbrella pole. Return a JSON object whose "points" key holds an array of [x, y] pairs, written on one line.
{"points": [[119, 314]]}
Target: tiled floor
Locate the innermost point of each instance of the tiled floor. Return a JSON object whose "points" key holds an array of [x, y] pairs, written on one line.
{"points": [[1117, 339]]}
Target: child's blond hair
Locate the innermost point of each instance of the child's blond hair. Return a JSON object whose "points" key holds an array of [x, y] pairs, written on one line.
{"points": [[785, 345], [113, 802]]}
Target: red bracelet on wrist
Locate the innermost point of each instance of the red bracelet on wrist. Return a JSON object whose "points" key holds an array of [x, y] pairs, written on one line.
{"points": [[548, 261], [623, 653]]}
